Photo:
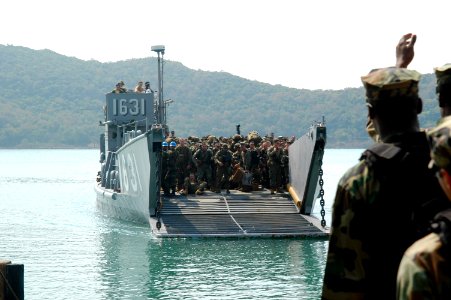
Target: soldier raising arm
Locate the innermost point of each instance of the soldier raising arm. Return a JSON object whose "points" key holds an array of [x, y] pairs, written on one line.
{"points": [[384, 202]]}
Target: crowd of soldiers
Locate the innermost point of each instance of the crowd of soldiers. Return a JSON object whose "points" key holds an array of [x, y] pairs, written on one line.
{"points": [[192, 165]]}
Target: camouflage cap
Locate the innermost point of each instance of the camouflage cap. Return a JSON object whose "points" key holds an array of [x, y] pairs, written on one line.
{"points": [[443, 75], [440, 138], [391, 83]]}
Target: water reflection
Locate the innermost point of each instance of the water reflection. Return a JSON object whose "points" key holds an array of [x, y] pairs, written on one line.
{"points": [[133, 265], [71, 252], [123, 262], [238, 269]]}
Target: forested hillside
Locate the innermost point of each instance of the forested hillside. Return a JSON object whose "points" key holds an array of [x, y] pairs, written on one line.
{"points": [[50, 100]]}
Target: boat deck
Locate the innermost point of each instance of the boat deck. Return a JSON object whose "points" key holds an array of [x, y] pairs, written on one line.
{"points": [[238, 214]]}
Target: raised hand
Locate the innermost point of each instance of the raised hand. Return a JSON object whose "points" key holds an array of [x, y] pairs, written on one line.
{"points": [[405, 51]]}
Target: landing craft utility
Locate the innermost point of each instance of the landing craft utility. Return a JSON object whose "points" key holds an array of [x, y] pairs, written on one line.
{"points": [[136, 173]]}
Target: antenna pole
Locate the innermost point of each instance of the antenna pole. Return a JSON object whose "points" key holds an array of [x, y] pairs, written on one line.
{"points": [[161, 111]]}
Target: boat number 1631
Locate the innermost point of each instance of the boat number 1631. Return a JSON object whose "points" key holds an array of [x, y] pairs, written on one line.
{"points": [[132, 107]]}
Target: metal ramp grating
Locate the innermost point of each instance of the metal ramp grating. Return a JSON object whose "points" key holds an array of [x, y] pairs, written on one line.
{"points": [[257, 214]]}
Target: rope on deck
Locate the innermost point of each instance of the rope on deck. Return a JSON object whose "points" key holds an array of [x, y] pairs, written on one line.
{"points": [[231, 216]]}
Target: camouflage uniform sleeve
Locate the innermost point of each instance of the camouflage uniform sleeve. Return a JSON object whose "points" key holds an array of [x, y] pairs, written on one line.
{"points": [[417, 273], [344, 276], [195, 157], [190, 156], [247, 160]]}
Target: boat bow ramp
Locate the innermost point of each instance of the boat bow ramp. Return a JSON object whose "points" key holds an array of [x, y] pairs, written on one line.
{"points": [[258, 213], [238, 214]]}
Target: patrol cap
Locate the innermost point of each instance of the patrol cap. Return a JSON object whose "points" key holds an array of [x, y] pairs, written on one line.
{"points": [[443, 76], [390, 83], [440, 138]]}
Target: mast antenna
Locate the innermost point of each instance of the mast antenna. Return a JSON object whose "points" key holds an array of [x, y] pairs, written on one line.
{"points": [[161, 110]]}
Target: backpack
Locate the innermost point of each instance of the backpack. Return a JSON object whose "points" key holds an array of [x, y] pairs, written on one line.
{"points": [[409, 196], [442, 226]]}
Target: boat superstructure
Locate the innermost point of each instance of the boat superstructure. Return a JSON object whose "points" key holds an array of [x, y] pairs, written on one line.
{"points": [[130, 151]]}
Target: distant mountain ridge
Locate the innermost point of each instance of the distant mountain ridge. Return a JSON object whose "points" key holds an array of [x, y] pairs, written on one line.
{"points": [[50, 100]]}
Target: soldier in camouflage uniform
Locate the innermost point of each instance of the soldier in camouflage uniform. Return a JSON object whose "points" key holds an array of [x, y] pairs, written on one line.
{"points": [[223, 160], [216, 149], [443, 75], [263, 166], [425, 269], [238, 155], [385, 202], [192, 186], [275, 155], [202, 158], [285, 166], [404, 56], [164, 167], [252, 161], [171, 170], [183, 163]]}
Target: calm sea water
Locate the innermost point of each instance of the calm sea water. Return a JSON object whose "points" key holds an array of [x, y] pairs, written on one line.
{"points": [[49, 223]]}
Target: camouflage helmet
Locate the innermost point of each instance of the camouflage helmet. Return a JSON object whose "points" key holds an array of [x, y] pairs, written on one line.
{"points": [[443, 87], [237, 138], [211, 139], [443, 76], [193, 139], [390, 83], [440, 138], [254, 137]]}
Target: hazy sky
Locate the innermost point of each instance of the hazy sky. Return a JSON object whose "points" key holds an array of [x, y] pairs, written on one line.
{"points": [[307, 44]]}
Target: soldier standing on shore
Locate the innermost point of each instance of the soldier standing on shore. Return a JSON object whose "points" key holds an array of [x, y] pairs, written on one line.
{"points": [[424, 272], [390, 195]]}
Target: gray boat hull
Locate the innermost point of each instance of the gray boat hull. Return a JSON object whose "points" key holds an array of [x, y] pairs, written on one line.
{"points": [[137, 165]]}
